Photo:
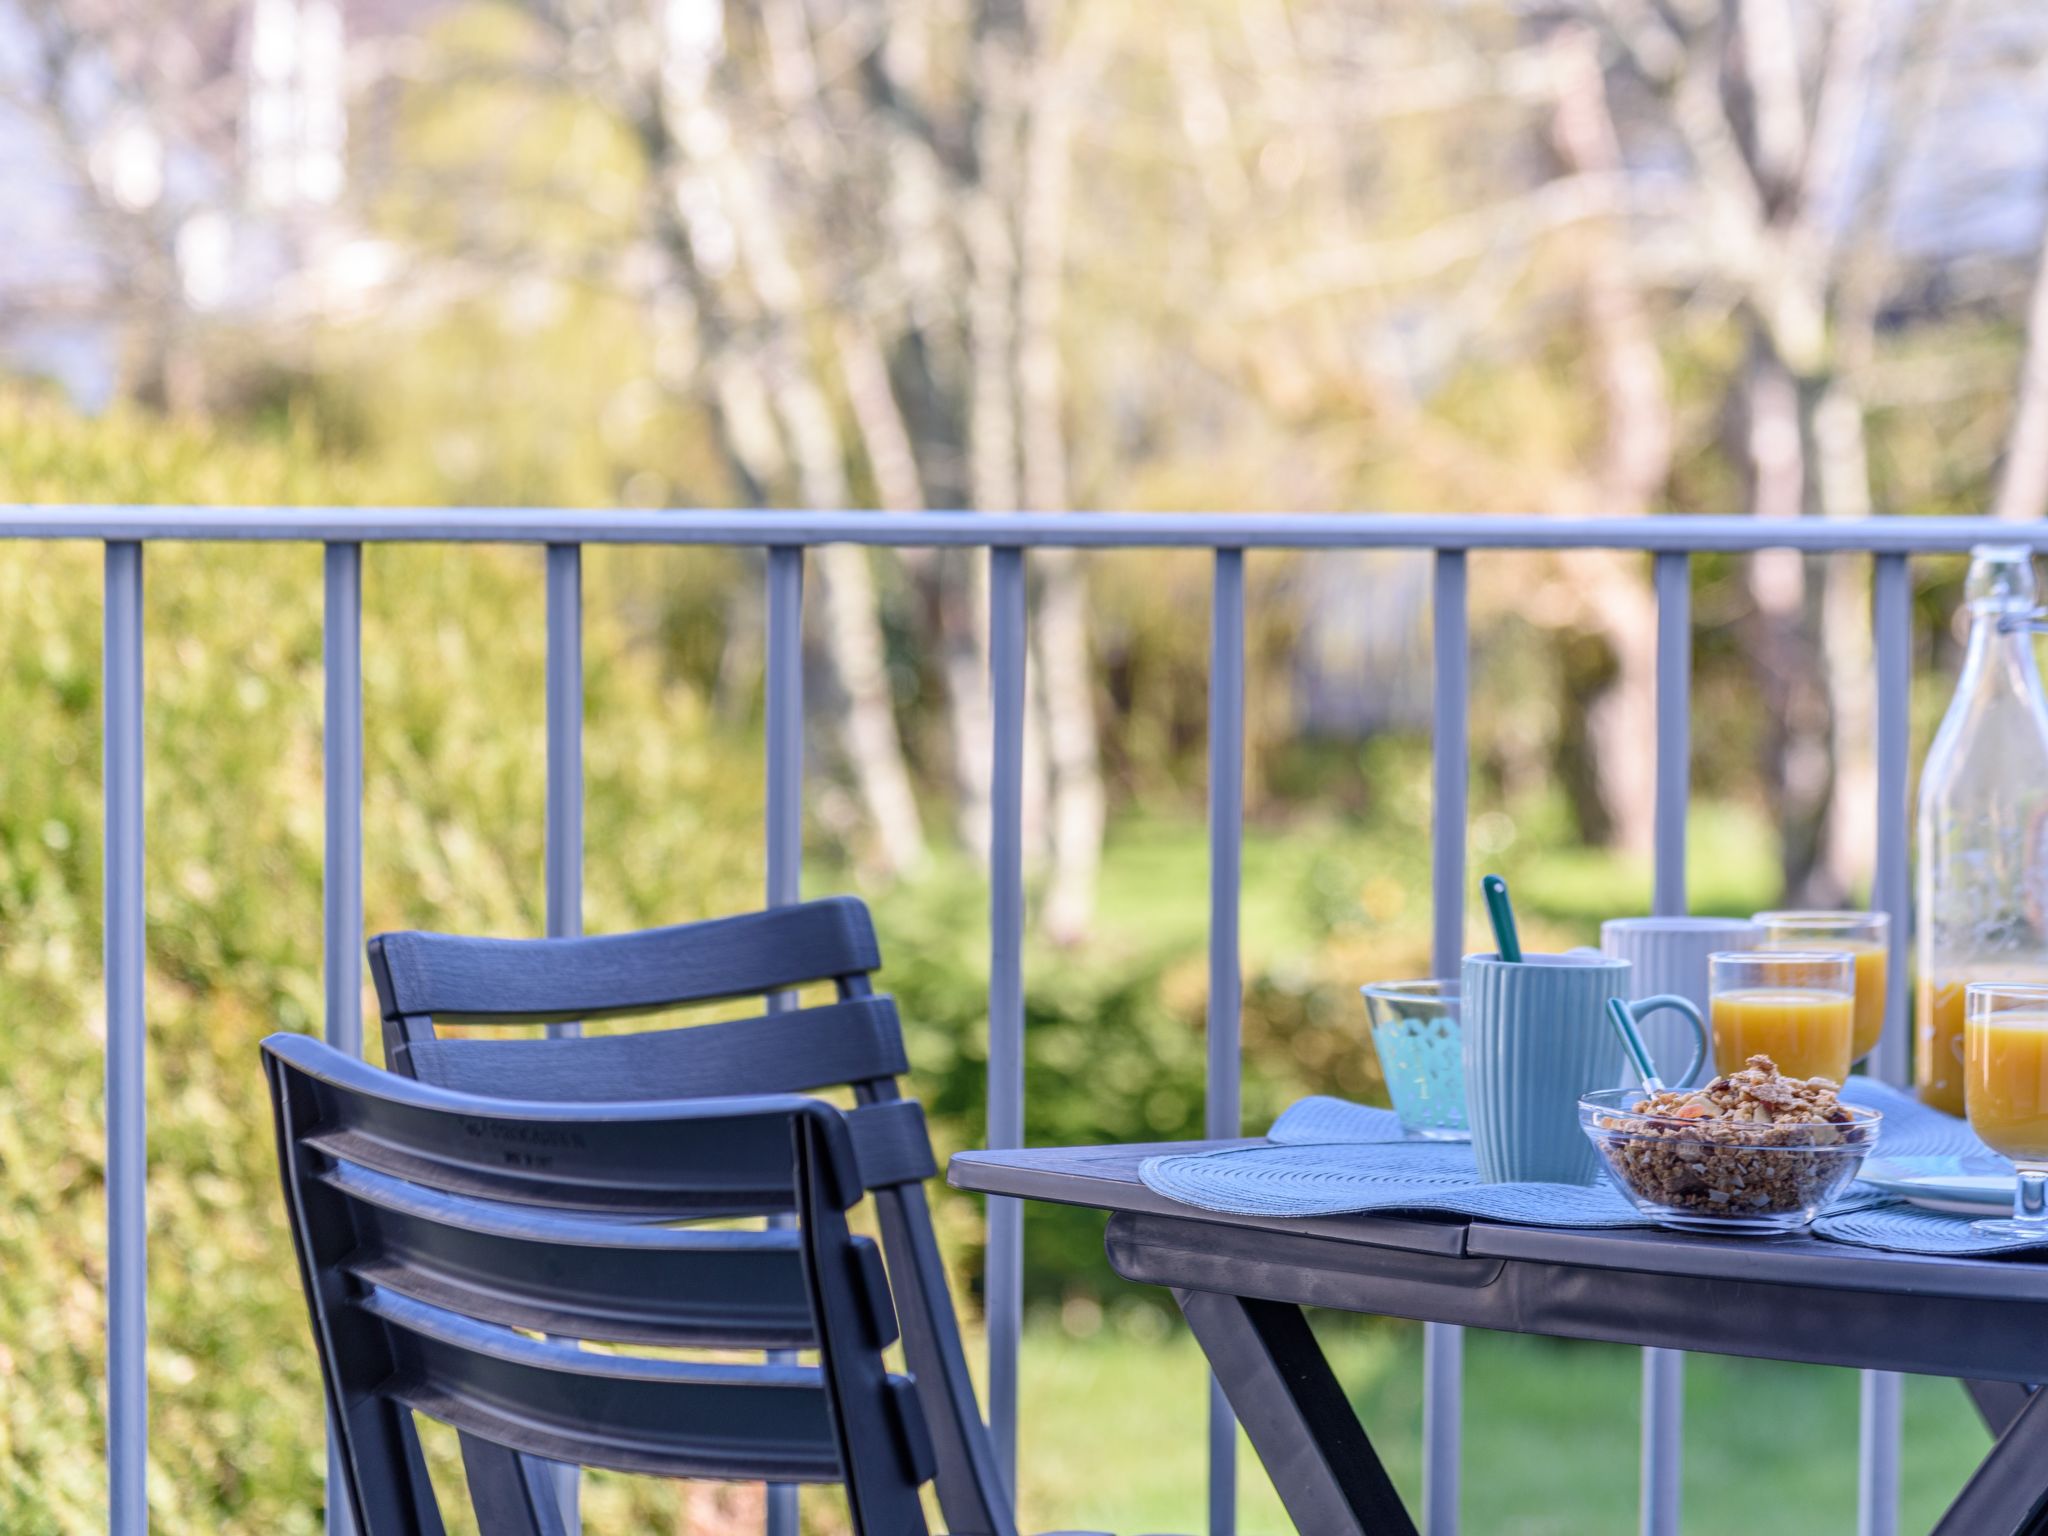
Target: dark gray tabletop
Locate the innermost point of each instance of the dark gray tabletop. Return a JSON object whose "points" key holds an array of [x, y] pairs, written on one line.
{"points": [[1106, 1178]]}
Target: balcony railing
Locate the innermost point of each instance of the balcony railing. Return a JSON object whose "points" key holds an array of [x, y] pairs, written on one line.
{"points": [[1671, 541]]}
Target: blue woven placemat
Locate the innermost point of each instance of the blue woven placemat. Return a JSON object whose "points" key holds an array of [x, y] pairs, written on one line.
{"points": [[1904, 1228], [1339, 1178], [1328, 1157]]}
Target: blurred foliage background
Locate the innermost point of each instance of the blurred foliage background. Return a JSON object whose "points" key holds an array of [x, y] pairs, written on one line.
{"points": [[1300, 254]]}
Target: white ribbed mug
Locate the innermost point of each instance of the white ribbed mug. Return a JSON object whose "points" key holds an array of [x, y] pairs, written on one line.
{"points": [[1669, 954]]}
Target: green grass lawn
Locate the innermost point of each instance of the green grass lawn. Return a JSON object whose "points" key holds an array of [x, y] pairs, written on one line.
{"points": [[1113, 1434], [1155, 878]]}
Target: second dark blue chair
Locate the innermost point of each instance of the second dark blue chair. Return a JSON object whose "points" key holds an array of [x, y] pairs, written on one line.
{"points": [[425, 980], [438, 1233]]}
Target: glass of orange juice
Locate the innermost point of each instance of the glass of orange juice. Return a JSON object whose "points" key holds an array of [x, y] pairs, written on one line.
{"points": [[1865, 935], [1796, 1006], [2005, 1091]]}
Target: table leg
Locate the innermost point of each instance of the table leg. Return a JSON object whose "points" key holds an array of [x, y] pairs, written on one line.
{"points": [[1296, 1416], [1998, 1403], [2009, 1492]]}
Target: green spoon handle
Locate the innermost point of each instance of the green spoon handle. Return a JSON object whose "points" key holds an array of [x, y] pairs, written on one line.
{"points": [[1502, 916], [1623, 1018]]}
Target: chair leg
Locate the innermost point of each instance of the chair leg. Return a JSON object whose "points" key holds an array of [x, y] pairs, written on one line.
{"points": [[513, 1495]]}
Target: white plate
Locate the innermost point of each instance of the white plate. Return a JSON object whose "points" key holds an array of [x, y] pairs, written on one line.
{"points": [[1961, 1186]]}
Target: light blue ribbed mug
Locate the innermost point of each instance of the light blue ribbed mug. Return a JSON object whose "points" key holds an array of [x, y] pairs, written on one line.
{"points": [[1537, 1037]]}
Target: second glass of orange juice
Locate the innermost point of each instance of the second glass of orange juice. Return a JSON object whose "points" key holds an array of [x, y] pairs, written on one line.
{"points": [[1796, 1006], [1866, 936], [2005, 1088]]}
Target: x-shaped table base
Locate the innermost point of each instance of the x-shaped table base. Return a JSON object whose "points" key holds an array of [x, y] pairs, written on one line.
{"points": [[1318, 1455], [1320, 1459]]}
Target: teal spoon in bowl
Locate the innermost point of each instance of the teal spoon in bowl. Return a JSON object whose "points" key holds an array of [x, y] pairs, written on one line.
{"points": [[1624, 1024]]}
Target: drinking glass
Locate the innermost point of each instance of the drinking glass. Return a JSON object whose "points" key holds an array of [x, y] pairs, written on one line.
{"points": [[1415, 1029], [2005, 1091], [1796, 1006], [1864, 935]]}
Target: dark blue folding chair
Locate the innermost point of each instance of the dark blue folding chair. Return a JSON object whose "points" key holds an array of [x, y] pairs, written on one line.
{"points": [[855, 1041], [438, 1233]]}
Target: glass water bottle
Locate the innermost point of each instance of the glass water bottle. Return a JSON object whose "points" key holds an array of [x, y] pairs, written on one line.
{"points": [[1983, 877]]}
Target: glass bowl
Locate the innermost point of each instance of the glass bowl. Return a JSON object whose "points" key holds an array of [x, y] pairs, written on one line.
{"points": [[1721, 1176]]}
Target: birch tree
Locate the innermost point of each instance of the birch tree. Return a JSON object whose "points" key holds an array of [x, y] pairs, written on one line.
{"points": [[860, 209], [2023, 474], [1771, 103]]}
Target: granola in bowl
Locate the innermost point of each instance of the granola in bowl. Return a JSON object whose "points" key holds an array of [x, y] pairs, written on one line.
{"points": [[1750, 1151]]}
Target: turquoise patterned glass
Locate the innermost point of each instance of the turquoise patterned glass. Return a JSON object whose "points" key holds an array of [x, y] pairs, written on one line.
{"points": [[1415, 1030]]}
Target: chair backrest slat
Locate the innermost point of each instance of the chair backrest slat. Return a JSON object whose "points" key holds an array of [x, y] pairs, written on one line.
{"points": [[432, 1227], [795, 1052], [451, 977], [661, 1417], [585, 1279]]}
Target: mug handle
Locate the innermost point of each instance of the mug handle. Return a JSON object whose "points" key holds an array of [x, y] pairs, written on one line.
{"points": [[1685, 1005]]}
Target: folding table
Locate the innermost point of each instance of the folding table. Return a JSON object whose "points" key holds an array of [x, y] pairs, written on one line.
{"points": [[1241, 1282]]}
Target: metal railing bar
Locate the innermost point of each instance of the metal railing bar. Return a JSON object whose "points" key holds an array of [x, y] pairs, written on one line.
{"points": [[783, 746], [341, 869], [1223, 1112], [1663, 1411], [1014, 530], [127, 1146], [785, 726], [565, 741], [1443, 1346], [564, 836], [1449, 749], [1880, 1429], [1003, 1288], [1663, 1441], [1892, 618], [1673, 577], [1881, 1406], [342, 744]]}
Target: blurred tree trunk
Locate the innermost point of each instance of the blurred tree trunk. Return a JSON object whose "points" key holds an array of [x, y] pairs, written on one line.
{"points": [[2023, 478], [1635, 459], [1065, 664], [1771, 140], [1787, 355], [1795, 741], [719, 208], [1842, 452], [997, 62]]}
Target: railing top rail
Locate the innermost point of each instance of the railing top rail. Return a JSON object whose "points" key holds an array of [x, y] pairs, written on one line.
{"points": [[1093, 530]]}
